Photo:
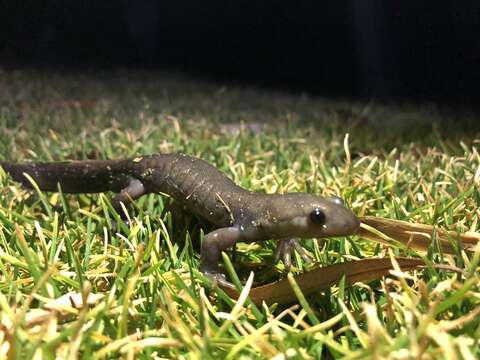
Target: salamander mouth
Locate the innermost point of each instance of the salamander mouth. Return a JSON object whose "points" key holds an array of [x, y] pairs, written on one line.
{"points": [[349, 226], [301, 226]]}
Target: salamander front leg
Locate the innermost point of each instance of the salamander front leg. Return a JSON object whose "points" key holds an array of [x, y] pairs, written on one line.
{"points": [[285, 249], [212, 246], [133, 191]]}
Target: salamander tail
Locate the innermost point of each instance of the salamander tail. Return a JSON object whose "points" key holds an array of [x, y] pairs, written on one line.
{"points": [[16, 172], [73, 176]]}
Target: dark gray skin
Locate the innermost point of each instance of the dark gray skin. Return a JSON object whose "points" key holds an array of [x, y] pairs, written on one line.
{"points": [[238, 214]]}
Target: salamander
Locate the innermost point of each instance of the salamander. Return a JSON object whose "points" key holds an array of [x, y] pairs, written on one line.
{"points": [[238, 215]]}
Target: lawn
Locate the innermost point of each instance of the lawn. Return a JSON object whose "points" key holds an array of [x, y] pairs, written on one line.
{"points": [[71, 288]]}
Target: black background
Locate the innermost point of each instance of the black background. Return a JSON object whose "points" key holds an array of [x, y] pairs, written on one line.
{"points": [[414, 49]]}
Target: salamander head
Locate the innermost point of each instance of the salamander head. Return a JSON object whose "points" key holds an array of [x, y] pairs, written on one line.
{"points": [[304, 215]]}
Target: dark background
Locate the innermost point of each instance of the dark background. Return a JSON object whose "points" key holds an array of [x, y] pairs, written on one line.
{"points": [[414, 49]]}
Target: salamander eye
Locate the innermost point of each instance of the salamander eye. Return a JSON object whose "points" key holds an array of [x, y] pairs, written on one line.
{"points": [[317, 216]]}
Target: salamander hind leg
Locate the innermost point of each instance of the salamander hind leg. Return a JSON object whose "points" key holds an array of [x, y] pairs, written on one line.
{"points": [[285, 249], [132, 191], [212, 246]]}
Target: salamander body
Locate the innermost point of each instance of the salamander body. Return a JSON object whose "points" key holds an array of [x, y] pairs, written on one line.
{"points": [[236, 213]]}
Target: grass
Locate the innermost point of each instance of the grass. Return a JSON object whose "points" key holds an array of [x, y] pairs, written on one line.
{"points": [[69, 289]]}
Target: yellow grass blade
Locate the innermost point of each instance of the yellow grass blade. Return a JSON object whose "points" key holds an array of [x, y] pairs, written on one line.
{"points": [[415, 236]]}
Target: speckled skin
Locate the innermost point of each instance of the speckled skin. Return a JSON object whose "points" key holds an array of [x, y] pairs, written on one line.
{"points": [[239, 214]]}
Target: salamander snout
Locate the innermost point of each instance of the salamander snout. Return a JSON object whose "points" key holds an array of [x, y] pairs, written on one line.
{"points": [[349, 224], [308, 216], [332, 218]]}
